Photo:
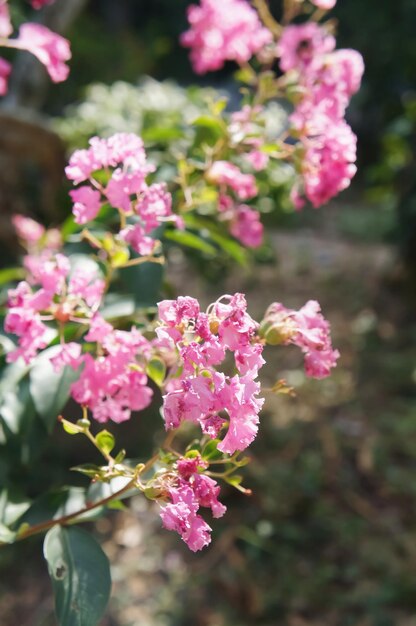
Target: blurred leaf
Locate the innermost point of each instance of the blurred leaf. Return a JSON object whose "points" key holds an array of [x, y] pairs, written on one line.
{"points": [[12, 507], [11, 274], [116, 306], [190, 240], [6, 535], [49, 389], [80, 574], [156, 370], [210, 451], [17, 408], [54, 504]]}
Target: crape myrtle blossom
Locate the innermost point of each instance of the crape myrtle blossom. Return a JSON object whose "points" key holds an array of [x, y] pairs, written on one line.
{"points": [[111, 384], [227, 174], [244, 221], [191, 491], [35, 238], [324, 4], [225, 30], [306, 329], [327, 79], [201, 394], [123, 157], [52, 50], [6, 27], [27, 229], [5, 71], [51, 293]]}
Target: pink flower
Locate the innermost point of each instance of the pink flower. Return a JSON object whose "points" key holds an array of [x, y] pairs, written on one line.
{"points": [[69, 354], [194, 490], [23, 320], [85, 284], [51, 49], [225, 173], [31, 331], [155, 206], [180, 311], [257, 159], [87, 203], [181, 516], [226, 30], [329, 162], [108, 385], [202, 341], [38, 4], [5, 71], [6, 27], [247, 227], [301, 46], [305, 328], [136, 237], [99, 329], [81, 165], [324, 4], [27, 229], [239, 396], [122, 186]]}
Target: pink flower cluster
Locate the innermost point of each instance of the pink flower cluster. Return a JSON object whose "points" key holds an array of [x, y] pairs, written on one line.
{"points": [[52, 50], [51, 293], [305, 328], [113, 383], [191, 491], [197, 392], [36, 238], [225, 30], [327, 79], [244, 221], [124, 157]]}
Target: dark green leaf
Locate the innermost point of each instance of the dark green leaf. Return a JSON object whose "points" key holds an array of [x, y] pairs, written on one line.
{"points": [[54, 504], [50, 389], [80, 575], [210, 451]]}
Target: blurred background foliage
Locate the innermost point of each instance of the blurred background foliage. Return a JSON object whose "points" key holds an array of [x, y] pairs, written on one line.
{"points": [[329, 536]]}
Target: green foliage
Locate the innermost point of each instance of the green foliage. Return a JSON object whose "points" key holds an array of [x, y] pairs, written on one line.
{"points": [[49, 389], [80, 575]]}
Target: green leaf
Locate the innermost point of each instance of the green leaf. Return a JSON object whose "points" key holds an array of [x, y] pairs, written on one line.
{"points": [[17, 409], [80, 574], [105, 441], [6, 535], [88, 469], [190, 240], [12, 507], [50, 389], [53, 505], [156, 370], [70, 428], [211, 452], [10, 274]]}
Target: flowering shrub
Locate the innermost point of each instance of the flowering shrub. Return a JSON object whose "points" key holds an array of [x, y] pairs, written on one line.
{"points": [[205, 363]]}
